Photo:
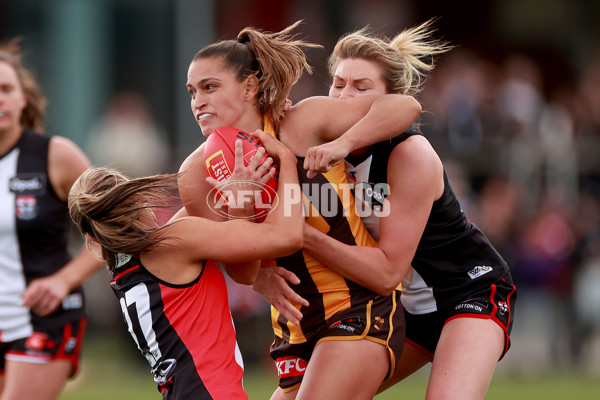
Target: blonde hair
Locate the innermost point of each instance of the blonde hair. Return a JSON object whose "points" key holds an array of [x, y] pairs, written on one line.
{"points": [[106, 205], [277, 59], [33, 114], [405, 60]]}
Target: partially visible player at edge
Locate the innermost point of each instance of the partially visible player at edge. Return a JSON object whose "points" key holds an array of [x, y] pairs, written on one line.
{"points": [[457, 290], [244, 83], [42, 317]]}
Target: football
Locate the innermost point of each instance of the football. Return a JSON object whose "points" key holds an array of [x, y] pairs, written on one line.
{"points": [[219, 161]]}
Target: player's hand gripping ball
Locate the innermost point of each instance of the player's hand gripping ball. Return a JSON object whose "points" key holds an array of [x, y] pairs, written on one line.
{"points": [[219, 161]]}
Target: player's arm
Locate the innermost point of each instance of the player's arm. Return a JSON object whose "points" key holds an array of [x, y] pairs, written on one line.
{"points": [[193, 187], [193, 190], [273, 283], [44, 295], [351, 124], [414, 173], [240, 240], [256, 173], [378, 117]]}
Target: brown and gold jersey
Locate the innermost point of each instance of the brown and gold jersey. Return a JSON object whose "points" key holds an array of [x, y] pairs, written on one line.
{"points": [[329, 207]]}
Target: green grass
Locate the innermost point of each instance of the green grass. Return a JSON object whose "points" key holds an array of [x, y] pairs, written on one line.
{"points": [[105, 375]]}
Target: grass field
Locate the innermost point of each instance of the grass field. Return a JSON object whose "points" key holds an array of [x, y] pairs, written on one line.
{"points": [[106, 376]]}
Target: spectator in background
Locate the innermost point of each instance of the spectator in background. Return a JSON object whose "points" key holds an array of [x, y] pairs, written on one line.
{"points": [[585, 320], [42, 318], [520, 103], [127, 138], [587, 125]]}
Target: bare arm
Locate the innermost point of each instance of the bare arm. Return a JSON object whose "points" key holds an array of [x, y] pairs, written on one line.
{"points": [[193, 190], [193, 187], [247, 178], [388, 117], [66, 162], [240, 240], [416, 181], [353, 123], [273, 283], [44, 295]]}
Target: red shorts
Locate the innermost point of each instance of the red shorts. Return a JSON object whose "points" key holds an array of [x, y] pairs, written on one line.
{"points": [[43, 347], [495, 302]]}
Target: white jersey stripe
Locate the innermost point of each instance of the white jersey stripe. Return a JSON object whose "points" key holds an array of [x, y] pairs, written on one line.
{"points": [[417, 297], [14, 323], [358, 174], [139, 296]]}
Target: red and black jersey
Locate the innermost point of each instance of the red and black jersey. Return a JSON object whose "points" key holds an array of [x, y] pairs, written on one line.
{"points": [[185, 331]]}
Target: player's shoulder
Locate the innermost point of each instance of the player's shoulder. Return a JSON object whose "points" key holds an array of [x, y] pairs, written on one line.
{"points": [[62, 150], [197, 156], [415, 152]]}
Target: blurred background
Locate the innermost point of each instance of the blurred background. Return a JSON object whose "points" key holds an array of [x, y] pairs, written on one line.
{"points": [[513, 110]]}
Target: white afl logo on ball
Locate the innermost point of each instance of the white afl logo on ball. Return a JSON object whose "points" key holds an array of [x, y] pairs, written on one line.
{"points": [[240, 194]]}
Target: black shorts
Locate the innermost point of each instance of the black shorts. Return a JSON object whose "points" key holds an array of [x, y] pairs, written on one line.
{"points": [[62, 343], [381, 320], [495, 302]]}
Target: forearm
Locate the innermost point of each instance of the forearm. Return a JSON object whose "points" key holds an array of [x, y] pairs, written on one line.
{"points": [[286, 214], [79, 269], [286, 221], [367, 266], [244, 272], [389, 116]]}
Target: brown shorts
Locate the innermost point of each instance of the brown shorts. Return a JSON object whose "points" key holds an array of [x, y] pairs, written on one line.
{"points": [[381, 320]]}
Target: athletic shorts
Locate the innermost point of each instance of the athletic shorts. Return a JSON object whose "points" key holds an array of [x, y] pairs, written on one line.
{"points": [[381, 320], [43, 347], [495, 302]]}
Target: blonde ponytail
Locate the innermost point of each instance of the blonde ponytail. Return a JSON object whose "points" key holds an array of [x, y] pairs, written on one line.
{"points": [[405, 60], [417, 48]]}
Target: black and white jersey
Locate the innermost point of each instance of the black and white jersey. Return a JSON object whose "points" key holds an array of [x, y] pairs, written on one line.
{"points": [[34, 228], [453, 257]]}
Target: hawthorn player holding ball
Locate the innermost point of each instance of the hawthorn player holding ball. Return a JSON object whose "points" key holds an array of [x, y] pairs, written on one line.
{"points": [[244, 83]]}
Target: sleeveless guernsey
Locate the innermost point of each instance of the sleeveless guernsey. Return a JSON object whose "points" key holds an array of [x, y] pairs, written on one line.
{"points": [[185, 331], [34, 229], [453, 257], [329, 207]]}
